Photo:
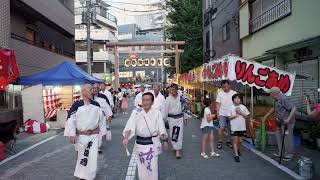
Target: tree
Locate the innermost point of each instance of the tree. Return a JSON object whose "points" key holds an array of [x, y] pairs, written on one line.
{"points": [[185, 24]]}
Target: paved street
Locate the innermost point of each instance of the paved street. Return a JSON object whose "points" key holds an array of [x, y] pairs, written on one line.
{"points": [[56, 158]]}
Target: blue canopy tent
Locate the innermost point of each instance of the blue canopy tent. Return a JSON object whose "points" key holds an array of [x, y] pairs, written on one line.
{"points": [[65, 73]]}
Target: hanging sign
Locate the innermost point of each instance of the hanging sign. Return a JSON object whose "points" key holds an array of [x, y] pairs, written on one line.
{"points": [[248, 73], [141, 62]]}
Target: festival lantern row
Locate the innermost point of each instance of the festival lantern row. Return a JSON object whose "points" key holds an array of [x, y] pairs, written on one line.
{"points": [[240, 70]]}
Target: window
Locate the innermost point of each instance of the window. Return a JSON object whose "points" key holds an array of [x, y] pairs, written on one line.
{"points": [[265, 12], [226, 31], [30, 35]]}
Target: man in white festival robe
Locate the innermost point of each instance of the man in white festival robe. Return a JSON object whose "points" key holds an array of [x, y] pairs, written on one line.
{"points": [[147, 124], [85, 122], [174, 114], [107, 93], [138, 99], [159, 100], [105, 107]]}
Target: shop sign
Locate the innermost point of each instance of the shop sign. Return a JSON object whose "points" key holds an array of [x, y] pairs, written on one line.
{"points": [[147, 62], [126, 74], [248, 73]]}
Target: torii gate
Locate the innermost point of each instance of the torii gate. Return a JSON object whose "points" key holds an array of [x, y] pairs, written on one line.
{"points": [[115, 45]]}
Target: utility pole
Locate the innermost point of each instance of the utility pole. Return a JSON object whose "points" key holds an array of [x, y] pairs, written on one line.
{"points": [[163, 38], [116, 68], [88, 19]]}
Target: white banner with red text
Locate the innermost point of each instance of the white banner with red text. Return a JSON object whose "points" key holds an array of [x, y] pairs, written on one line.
{"points": [[248, 73]]}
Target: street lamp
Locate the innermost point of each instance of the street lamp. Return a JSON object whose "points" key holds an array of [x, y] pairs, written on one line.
{"points": [[88, 16]]}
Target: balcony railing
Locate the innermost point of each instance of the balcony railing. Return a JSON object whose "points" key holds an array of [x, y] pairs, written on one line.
{"points": [[277, 12], [44, 46], [78, 11]]}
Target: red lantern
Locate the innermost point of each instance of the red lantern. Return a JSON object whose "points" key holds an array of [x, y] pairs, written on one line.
{"points": [[8, 68]]}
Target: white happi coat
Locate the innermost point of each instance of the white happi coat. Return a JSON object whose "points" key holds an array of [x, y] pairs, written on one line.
{"points": [[139, 124], [106, 109], [159, 103], [110, 97], [173, 107], [83, 117]]}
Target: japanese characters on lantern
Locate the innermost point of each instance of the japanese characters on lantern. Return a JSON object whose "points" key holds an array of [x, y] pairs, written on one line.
{"points": [[248, 73]]}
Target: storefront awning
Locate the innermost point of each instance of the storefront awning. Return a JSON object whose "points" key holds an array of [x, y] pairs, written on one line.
{"points": [[63, 74]]}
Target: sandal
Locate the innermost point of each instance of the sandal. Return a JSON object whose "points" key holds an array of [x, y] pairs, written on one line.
{"points": [[214, 154], [204, 155], [219, 145], [229, 144]]}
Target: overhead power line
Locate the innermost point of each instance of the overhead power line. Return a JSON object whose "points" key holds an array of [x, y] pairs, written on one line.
{"points": [[140, 14], [123, 9], [118, 2]]}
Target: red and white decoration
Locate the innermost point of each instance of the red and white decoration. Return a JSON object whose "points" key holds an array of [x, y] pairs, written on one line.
{"points": [[51, 103], [34, 127], [8, 68], [248, 73]]}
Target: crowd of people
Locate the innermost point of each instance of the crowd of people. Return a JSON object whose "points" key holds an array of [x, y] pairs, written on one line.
{"points": [[159, 110]]}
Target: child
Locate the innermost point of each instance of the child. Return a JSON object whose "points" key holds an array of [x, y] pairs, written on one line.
{"points": [[124, 104], [238, 115], [207, 129]]}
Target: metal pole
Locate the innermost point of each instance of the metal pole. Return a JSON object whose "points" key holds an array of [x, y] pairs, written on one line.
{"points": [[162, 48], [157, 75], [116, 67], [88, 14], [251, 104], [105, 67], [282, 144], [13, 98]]}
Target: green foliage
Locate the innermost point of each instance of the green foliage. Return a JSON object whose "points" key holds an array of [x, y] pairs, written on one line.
{"points": [[185, 24]]}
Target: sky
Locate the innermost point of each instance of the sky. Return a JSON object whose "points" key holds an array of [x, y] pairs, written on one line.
{"points": [[125, 17]]}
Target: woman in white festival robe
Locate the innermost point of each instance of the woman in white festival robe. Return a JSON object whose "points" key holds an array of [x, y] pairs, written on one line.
{"points": [[85, 116], [147, 124]]}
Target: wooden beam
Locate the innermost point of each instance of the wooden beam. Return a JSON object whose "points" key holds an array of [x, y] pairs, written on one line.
{"points": [[177, 60], [149, 51], [160, 43]]}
